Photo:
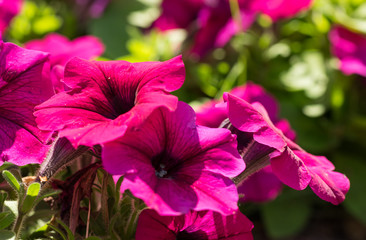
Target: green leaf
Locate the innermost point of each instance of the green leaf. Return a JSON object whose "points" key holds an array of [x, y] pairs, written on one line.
{"points": [[59, 231], [285, 216], [3, 196], [32, 193], [11, 206], [10, 178], [6, 219], [93, 238], [70, 235], [114, 38], [354, 167], [6, 234]]}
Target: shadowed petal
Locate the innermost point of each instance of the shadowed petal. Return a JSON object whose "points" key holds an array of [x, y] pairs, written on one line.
{"points": [[193, 225], [23, 85]]}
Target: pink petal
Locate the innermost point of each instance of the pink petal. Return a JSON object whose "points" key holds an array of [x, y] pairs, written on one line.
{"points": [[22, 86], [291, 170], [350, 48]]}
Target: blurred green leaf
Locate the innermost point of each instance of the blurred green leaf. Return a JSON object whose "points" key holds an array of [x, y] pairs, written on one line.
{"points": [[111, 27], [7, 235], [355, 168], [6, 219], [3, 196], [285, 216]]}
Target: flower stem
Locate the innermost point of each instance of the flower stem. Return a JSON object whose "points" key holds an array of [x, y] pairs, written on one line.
{"points": [[18, 225], [252, 167], [235, 12]]}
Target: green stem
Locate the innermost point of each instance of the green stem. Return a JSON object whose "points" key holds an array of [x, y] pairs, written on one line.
{"points": [[18, 225], [252, 167], [235, 12]]}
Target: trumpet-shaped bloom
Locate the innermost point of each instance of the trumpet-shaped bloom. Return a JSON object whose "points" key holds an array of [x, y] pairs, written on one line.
{"points": [[216, 26], [175, 166], [211, 114], [292, 165], [277, 9], [350, 48], [62, 50], [329, 185], [8, 10], [23, 85], [193, 226], [213, 20], [106, 97], [177, 14]]}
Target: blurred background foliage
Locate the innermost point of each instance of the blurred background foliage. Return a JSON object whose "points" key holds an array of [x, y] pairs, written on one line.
{"points": [[290, 58]]}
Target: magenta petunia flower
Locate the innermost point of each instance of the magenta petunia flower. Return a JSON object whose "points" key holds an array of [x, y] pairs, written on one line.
{"points": [[291, 164], [277, 9], [216, 26], [177, 14], [193, 226], [175, 166], [8, 10], [350, 48], [94, 8], [106, 97], [212, 20], [329, 185], [23, 85], [211, 114], [62, 50], [261, 186]]}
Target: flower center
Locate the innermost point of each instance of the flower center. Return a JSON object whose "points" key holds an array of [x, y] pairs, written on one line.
{"points": [[185, 235], [160, 171], [164, 165]]}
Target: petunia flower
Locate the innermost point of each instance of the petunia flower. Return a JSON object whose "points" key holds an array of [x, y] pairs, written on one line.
{"points": [[216, 26], [262, 185], [212, 22], [327, 184], [193, 226], [62, 50], [175, 166], [106, 97], [291, 164], [23, 85], [8, 10], [211, 114], [350, 48], [277, 9], [177, 14], [92, 8]]}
